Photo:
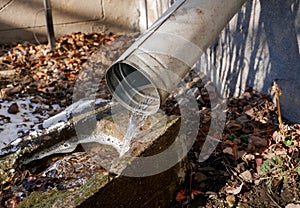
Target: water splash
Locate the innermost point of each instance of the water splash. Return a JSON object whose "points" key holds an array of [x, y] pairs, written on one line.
{"points": [[136, 121]]}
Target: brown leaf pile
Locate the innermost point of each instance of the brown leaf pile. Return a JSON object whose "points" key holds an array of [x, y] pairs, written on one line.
{"points": [[51, 75], [254, 155]]}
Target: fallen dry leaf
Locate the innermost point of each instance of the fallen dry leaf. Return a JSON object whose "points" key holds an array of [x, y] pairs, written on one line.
{"points": [[180, 196], [231, 200], [228, 150], [246, 176], [258, 163], [234, 190], [258, 141], [197, 192], [292, 206], [278, 136]]}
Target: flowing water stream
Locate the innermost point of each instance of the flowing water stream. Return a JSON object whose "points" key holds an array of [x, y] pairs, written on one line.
{"points": [[136, 121]]}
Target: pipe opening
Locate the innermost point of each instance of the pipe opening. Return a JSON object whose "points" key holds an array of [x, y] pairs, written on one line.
{"points": [[132, 89]]}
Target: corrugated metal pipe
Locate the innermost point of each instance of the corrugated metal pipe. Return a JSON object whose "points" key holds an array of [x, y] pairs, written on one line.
{"points": [[142, 78]]}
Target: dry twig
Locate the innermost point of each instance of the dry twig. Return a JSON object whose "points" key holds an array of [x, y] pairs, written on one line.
{"points": [[278, 93]]}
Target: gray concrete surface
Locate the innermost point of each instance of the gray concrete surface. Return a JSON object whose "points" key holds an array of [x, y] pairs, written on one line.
{"points": [[21, 19]]}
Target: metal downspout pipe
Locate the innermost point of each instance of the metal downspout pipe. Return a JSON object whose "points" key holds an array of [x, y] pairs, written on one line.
{"points": [[142, 78]]}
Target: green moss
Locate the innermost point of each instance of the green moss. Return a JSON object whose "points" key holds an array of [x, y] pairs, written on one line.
{"points": [[231, 137], [298, 170], [245, 138], [90, 187], [65, 199], [42, 200]]}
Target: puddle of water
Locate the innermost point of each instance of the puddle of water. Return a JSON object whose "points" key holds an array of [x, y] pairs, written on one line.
{"points": [[15, 126]]}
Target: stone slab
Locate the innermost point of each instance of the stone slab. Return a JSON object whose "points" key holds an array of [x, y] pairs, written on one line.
{"points": [[107, 187]]}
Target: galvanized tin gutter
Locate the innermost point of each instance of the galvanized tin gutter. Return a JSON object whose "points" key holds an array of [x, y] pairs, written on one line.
{"points": [[153, 66]]}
